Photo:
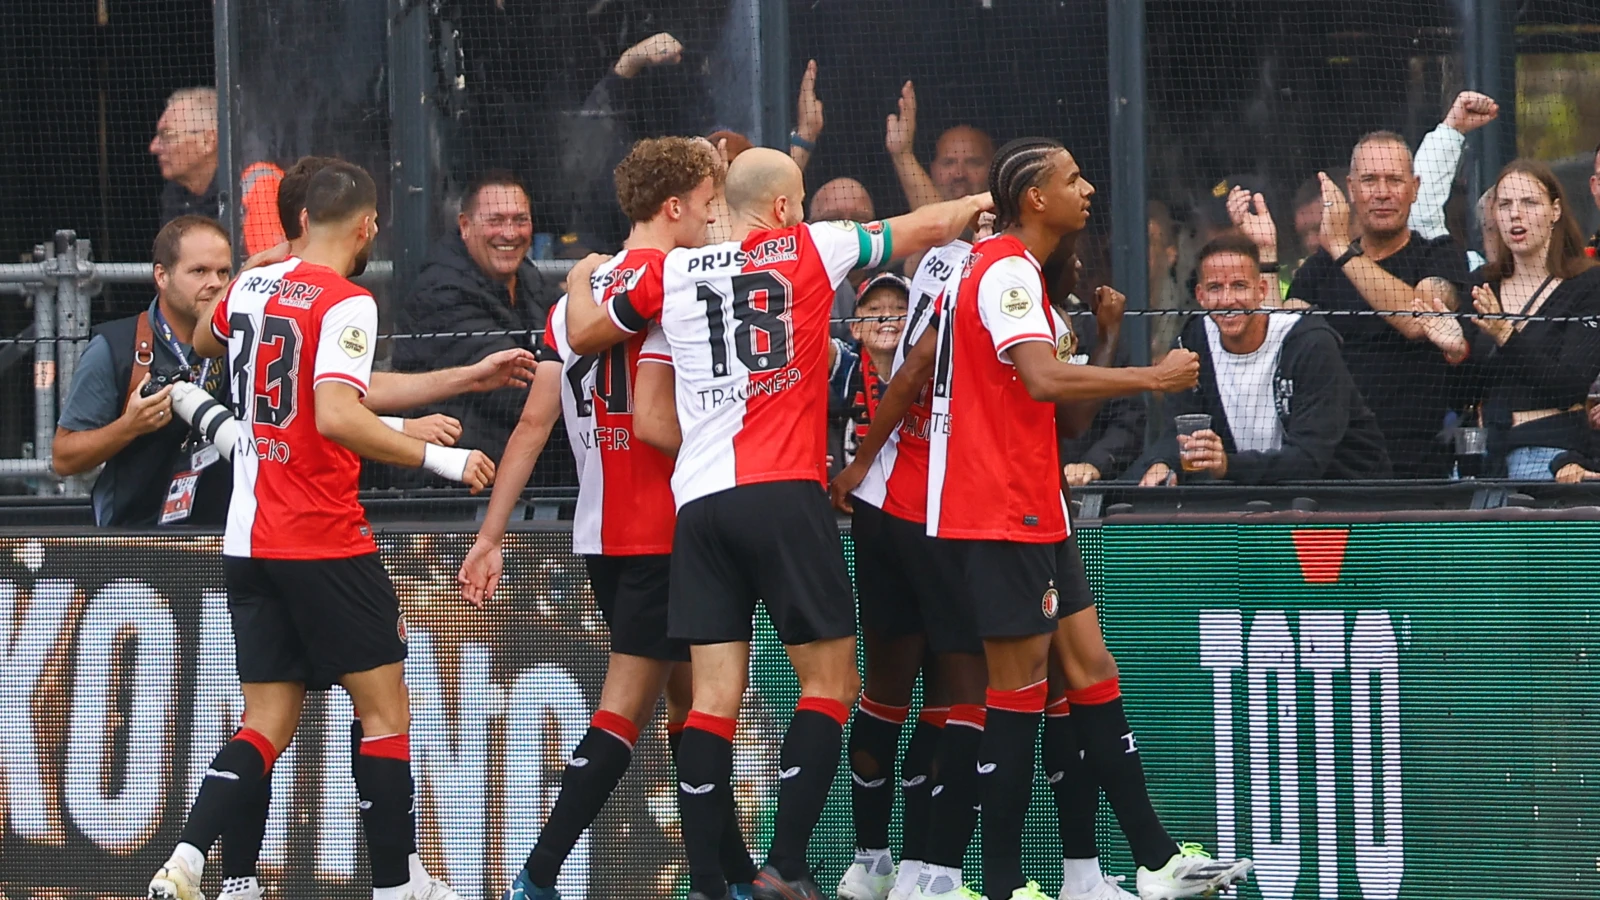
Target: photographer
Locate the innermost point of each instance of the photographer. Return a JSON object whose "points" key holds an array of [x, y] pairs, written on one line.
{"points": [[119, 411]]}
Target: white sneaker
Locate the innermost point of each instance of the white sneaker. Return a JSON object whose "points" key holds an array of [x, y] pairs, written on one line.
{"points": [[432, 889], [175, 881], [859, 884], [905, 880], [1191, 872], [1108, 889]]}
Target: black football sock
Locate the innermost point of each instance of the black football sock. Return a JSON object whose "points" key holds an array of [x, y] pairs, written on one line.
{"points": [[737, 866], [917, 780], [227, 795], [597, 764], [383, 780], [1005, 780], [1113, 757], [1077, 794], [241, 839], [952, 808], [806, 766], [874, 742], [705, 775]]}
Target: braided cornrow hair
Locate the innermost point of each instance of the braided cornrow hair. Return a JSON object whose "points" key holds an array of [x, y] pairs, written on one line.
{"points": [[1017, 166]]}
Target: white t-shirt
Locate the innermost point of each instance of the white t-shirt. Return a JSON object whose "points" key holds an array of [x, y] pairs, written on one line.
{"points": [[1244, 380]]}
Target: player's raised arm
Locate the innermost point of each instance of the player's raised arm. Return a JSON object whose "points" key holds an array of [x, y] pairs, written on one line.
{"points": [[399, 391], [934, 224]]}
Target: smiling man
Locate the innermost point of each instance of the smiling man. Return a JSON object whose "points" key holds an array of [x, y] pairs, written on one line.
{"points": [[479, 279], [1282, 404]]}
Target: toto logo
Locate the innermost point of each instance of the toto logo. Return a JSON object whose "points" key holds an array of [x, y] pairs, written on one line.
{"points": [[1283, 656]]}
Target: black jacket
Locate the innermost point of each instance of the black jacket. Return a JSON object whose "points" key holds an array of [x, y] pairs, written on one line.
{"points": [[1328, 431], [451, 294]]}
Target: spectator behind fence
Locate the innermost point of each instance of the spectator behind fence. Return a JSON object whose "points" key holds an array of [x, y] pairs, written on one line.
{"points": [[1283, 406], [960, 159], [1095, 447], [649, 91], [1533, 376], [476, 279], [843, 200], [156, 470], [185, 147], [1401, 375]]}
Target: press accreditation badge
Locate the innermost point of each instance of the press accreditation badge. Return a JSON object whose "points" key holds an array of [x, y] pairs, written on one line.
{"points": [[180, 498]]}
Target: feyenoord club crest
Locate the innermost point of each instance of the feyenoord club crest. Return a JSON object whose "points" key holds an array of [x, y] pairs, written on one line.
{"points": [[400, 628], [1051, 603]]}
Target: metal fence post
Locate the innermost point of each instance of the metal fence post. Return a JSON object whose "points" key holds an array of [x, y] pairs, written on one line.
{"points": [[71, 321], [44, 365], [772, 74]]}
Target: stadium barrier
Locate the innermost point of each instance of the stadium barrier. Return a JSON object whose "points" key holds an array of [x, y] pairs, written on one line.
{"points": [[1378, 709]]}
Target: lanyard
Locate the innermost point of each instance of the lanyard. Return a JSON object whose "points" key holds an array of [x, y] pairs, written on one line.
{"points": [[165, 331]]}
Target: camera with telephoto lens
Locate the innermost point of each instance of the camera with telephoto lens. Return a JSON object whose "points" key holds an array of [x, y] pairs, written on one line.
{"points": [[159, 380]]}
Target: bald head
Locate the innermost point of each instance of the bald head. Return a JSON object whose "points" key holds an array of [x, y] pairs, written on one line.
{"points": [[843, 199], [759, 179]]}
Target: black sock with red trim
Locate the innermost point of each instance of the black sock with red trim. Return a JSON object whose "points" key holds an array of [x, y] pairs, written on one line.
{"points": [[1113, 757], [806, 766], [596, 766], [1005, 780], [383, 779]]}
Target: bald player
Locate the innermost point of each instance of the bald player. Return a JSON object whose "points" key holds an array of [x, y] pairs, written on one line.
{"points": [[960, 159], [747, 325]]}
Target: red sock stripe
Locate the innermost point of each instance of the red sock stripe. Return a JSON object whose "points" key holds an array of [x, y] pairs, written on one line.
{"points": [[388, 746], [968, 714], [717, 725], [934, 715], [269, 753], [675, 727], [1058, 707], [828, 706], [616, 725], [1022, 700], [894, 715], [1096, 694]]}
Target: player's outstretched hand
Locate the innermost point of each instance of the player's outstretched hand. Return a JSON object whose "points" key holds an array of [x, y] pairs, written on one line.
{"points": [[1108, 305], [900, 133], [846, 481], [435, 429], [507, 368], [480, 572], [479, 473], [1179, 370]]}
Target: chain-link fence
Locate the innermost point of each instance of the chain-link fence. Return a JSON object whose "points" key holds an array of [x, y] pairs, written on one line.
{"points": [[1170, 108]]}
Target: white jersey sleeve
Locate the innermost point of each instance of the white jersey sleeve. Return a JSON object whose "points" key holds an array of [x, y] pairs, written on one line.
{"points": [[847, 246], [655, 348], [345, 345], [1011, 303]]}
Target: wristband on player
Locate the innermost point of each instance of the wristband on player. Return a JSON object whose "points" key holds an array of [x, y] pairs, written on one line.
{"points": [[395, 422], [446, 462]]}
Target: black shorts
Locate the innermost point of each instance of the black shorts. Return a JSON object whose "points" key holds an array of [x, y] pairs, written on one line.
{"points": [[908, 582], [1022, 589], [776, 543], [631, 592], [312, 621]]}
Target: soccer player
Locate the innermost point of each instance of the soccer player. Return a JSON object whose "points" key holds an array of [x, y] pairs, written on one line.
{"points": [[387, 392], [910, 588], [747, 323], [1001, 370], [310, 601], [625, 515]]}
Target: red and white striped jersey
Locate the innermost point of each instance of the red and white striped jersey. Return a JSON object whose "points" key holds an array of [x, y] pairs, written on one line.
{"points": [[994, 469], [290, 327], [897, 482], [624, 486], [748, 327]]}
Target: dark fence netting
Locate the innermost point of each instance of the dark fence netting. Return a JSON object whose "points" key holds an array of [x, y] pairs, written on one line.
{"points": [[1375, 358]]}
